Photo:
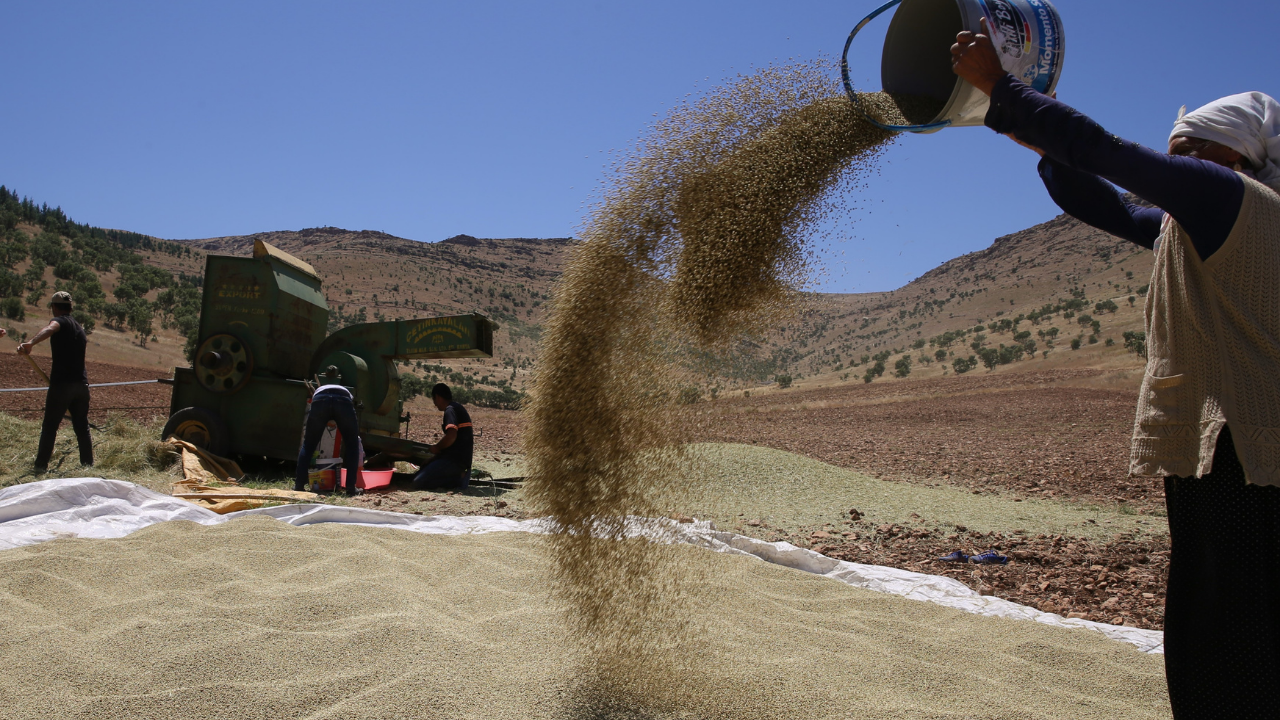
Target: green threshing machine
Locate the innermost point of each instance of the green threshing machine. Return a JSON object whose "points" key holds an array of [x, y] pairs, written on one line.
{"points": [[263, 324]]}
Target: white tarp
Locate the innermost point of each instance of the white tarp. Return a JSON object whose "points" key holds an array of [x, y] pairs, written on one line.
{"points": [[97, 508]]}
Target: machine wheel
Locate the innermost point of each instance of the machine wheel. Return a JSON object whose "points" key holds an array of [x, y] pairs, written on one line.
{"points": [[223, 363], [199, 427]]}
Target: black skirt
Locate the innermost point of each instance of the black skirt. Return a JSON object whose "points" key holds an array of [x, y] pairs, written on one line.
{"points": [[1222, 613]]}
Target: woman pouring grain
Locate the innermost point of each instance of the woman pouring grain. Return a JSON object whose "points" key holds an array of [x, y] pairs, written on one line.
{"points": [[1208, 417]]}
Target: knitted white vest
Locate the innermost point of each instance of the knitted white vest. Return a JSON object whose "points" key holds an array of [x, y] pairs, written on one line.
{"points": [[1213, 339]]}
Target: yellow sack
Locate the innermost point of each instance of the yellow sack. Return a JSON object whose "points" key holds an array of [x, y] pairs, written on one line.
{"points": [[201, 466], [210, 482]]}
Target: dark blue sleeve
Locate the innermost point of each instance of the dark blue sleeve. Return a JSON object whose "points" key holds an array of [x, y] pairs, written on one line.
{"points": [[1094, 201], [1203, 197], [450, 417]]}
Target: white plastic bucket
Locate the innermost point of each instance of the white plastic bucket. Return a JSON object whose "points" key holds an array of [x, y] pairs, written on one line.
{"points": [[917, 52]]}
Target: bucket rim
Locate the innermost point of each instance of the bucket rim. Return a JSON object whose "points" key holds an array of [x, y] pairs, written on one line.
{"points": [[853, 95]]}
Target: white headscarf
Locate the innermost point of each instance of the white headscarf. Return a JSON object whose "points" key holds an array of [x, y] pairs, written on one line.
{"points": [[1248, 123]]}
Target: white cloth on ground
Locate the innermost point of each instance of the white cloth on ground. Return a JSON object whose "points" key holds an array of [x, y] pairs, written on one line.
{"points": [[96, 508], [1248, 123]]}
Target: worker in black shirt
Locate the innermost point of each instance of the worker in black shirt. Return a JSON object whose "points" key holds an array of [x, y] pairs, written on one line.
{"points": [[451, 468], [68, 381]]}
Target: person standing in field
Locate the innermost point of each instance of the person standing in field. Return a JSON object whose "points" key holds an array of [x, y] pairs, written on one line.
{"points": [[451, 466], [68, 381], [1208, 416]]}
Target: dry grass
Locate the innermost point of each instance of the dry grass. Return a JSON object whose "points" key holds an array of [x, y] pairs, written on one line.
{"points": [[123, 449]]}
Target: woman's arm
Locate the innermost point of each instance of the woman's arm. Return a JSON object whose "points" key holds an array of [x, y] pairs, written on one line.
{"points": [[1203, 197], [1094, 201]]}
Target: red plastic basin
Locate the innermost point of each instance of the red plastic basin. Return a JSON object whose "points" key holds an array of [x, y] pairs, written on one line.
{"points": [[369, 479]]}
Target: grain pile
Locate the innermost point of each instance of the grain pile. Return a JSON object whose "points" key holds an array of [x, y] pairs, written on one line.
{"points": [[259, 619], [699, 238], [900, 109]]}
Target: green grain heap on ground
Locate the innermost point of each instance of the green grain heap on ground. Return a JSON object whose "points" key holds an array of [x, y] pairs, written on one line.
{"points": [[737, 483]]}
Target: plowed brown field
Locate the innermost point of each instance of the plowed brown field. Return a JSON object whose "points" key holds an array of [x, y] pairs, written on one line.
{"points": [[139, 402], [1043, 434]]}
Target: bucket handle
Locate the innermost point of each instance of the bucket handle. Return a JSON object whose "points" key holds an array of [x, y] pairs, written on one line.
{"points": [[853, 96]]}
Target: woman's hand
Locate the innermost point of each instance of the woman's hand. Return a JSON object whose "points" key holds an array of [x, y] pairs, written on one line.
{"points": [[974, 58]]}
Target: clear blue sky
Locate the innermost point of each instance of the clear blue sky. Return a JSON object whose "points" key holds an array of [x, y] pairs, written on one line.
{"points": [[429, 119]]}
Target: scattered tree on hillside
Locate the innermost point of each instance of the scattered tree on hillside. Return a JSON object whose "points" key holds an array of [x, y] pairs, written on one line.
{"points": [[964, 365], [1136, 342], [902, 368], [138, 315], [874, 371], [76, 253]]}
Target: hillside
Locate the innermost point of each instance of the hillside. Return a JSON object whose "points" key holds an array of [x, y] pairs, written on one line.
{"points": [[1029, 292], [1060, 262], [137, 313], [1021, 281], [370, 276]]}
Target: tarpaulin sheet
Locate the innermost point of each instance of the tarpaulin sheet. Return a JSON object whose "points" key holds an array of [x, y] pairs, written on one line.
{"points": [[98, 508]]}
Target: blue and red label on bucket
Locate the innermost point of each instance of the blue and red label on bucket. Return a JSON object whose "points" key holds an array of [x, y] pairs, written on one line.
{"points": [[1027, 34], [1030, 43]]}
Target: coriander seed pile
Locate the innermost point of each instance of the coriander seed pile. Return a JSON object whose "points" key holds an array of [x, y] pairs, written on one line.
{"points": [[700, 237]]}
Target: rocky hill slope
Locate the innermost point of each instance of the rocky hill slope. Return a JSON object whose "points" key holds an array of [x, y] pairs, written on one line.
{"points": [[1051, 281], [370, 276], [1036, 290]]}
